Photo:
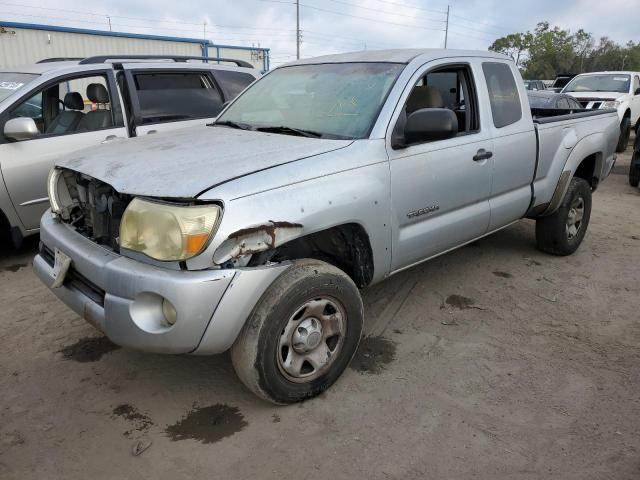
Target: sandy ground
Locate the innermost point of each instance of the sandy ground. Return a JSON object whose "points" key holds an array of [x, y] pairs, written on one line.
{"points": [[495, 361]]}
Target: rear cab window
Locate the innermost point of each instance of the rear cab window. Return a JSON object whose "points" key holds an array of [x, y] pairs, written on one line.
{"points": [[174, 96], [504, 97]]}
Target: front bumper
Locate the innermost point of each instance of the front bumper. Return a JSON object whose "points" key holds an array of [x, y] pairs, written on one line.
{"points": [[123, 297]]}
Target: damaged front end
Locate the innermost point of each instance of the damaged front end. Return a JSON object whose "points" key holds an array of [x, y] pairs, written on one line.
{"points": [[241, 245], [91, 207]]}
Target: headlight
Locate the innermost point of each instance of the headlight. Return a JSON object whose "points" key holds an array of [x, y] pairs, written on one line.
{"points": [[52, 190], [167, 232], [610, 104]]}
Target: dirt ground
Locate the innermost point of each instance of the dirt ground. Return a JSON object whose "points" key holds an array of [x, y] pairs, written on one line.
{"points": [[495, 361]]}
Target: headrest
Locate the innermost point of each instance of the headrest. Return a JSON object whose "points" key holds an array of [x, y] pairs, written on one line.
{"points": [[97, 93], [73, 101], [424, 97]]}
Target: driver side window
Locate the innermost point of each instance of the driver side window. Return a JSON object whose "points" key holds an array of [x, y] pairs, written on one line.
{"points": [[71, 106], [451, 88]]}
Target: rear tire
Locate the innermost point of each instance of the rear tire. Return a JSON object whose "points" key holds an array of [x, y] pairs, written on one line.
{"points": [[562, 232], [301, 335], [634, 168], [625, 133]]}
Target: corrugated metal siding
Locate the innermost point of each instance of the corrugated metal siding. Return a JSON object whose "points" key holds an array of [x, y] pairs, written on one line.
{"points": [[29, 46]]}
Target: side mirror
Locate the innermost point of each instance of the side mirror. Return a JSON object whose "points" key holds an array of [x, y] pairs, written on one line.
{"points": [[22, 128], [429, 124], [637, 92]]}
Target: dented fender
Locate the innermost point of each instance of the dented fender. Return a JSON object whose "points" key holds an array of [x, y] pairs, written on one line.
{"points": [[255, 239]]}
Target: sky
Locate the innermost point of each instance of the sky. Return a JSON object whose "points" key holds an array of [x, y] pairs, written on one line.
{"points": [[331, 26]]}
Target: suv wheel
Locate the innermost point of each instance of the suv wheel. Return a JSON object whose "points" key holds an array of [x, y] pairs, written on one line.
{"points": [[562, 232], [302, 334], [625, 133]]}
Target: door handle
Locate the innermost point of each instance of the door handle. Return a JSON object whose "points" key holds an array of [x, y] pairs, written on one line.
{"points": [[482, 154]]}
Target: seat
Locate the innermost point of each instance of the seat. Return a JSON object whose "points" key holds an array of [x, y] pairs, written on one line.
{"points": [[424, 96], [67, 120], [96, 119]]}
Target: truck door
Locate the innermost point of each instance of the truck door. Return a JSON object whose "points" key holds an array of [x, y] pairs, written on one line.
{"points": [[440, 189], [71, 113], [169, 98], [514, 143]]}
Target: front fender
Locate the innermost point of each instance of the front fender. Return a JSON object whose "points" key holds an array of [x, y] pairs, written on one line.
{"points": [[359, 193]]}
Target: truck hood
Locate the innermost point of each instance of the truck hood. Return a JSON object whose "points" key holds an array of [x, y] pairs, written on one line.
{"points": [[598, 95], [187, 162]]}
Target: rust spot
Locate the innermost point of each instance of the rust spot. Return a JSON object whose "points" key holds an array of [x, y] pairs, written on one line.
{"points": [[269, 228]]}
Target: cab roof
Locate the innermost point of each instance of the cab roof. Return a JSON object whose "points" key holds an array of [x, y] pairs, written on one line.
{"points": [[397, 56]]}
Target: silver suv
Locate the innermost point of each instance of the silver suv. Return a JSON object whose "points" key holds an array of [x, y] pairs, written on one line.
{"points": [[57, 106]]}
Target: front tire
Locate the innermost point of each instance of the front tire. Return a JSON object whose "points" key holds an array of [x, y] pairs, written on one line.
{"points": [[301, 335], [562, 232], [625, 133]]}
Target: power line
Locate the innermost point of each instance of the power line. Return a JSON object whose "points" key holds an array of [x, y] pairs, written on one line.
{"points": [[406, 25], [382, 11]]}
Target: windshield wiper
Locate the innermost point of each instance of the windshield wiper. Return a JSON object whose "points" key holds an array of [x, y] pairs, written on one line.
{"points": [[238, 125], [290, 131]]}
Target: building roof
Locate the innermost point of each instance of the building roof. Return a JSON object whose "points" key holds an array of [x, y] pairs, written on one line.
{"points": [[104, 33]]}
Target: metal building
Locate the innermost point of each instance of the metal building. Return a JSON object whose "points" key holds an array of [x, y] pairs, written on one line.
{"points": [[22, 43]]}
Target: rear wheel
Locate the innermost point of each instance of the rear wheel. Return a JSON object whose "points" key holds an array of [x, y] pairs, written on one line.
{"points": [[563, 232], [625, 133], [634, 168], [302, 334]]}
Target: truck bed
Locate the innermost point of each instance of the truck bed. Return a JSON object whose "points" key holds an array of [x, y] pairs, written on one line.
{"points": [[549, 115], [565, 138]]}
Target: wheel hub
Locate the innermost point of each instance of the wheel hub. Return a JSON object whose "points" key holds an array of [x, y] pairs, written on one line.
{"points": [[307, 335], [311, 339]]}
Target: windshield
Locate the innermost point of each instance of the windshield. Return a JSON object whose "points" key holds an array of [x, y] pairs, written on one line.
{"points": [[10, 83], [599, 83], [339, 101]]}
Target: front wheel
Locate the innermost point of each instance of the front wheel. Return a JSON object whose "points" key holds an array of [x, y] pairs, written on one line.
{"points": [[302, 334], [562, 232], [625, 133]]}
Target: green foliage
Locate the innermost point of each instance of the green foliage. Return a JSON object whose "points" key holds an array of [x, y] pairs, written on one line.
{"points": [[548, 51]]}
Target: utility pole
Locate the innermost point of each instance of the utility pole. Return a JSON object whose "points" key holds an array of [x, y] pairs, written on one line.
{"points": [[109, 18], [446, 31], [204, 30], [298, 29]]}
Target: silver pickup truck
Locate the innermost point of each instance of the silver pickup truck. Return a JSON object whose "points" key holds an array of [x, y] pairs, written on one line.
{"points": [[327, 175]]}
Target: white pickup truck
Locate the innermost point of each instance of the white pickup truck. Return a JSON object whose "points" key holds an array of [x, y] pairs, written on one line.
{"points": [[619, 90], [325, 175]]}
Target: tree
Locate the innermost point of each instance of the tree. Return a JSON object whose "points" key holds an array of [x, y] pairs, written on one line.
{"points": [[516, 45], [548, 51]]}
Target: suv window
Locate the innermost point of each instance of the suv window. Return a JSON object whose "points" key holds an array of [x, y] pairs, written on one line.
{"points": [[175, 96], [503, 94], [233, 82], [636, 84], [73, 105]]}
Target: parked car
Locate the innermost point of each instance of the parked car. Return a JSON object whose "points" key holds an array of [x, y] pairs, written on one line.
{"points": [[561, 81], [534, 85], [619, 90], [325, 176], [558, 101], [634, 168], [50, 109]]}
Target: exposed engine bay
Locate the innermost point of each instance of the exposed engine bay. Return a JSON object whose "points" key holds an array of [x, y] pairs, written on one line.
{"points": [[95, 208]]}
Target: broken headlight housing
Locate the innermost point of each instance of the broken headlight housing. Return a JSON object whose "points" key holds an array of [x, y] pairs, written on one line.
{"points": [[167, 232]]}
